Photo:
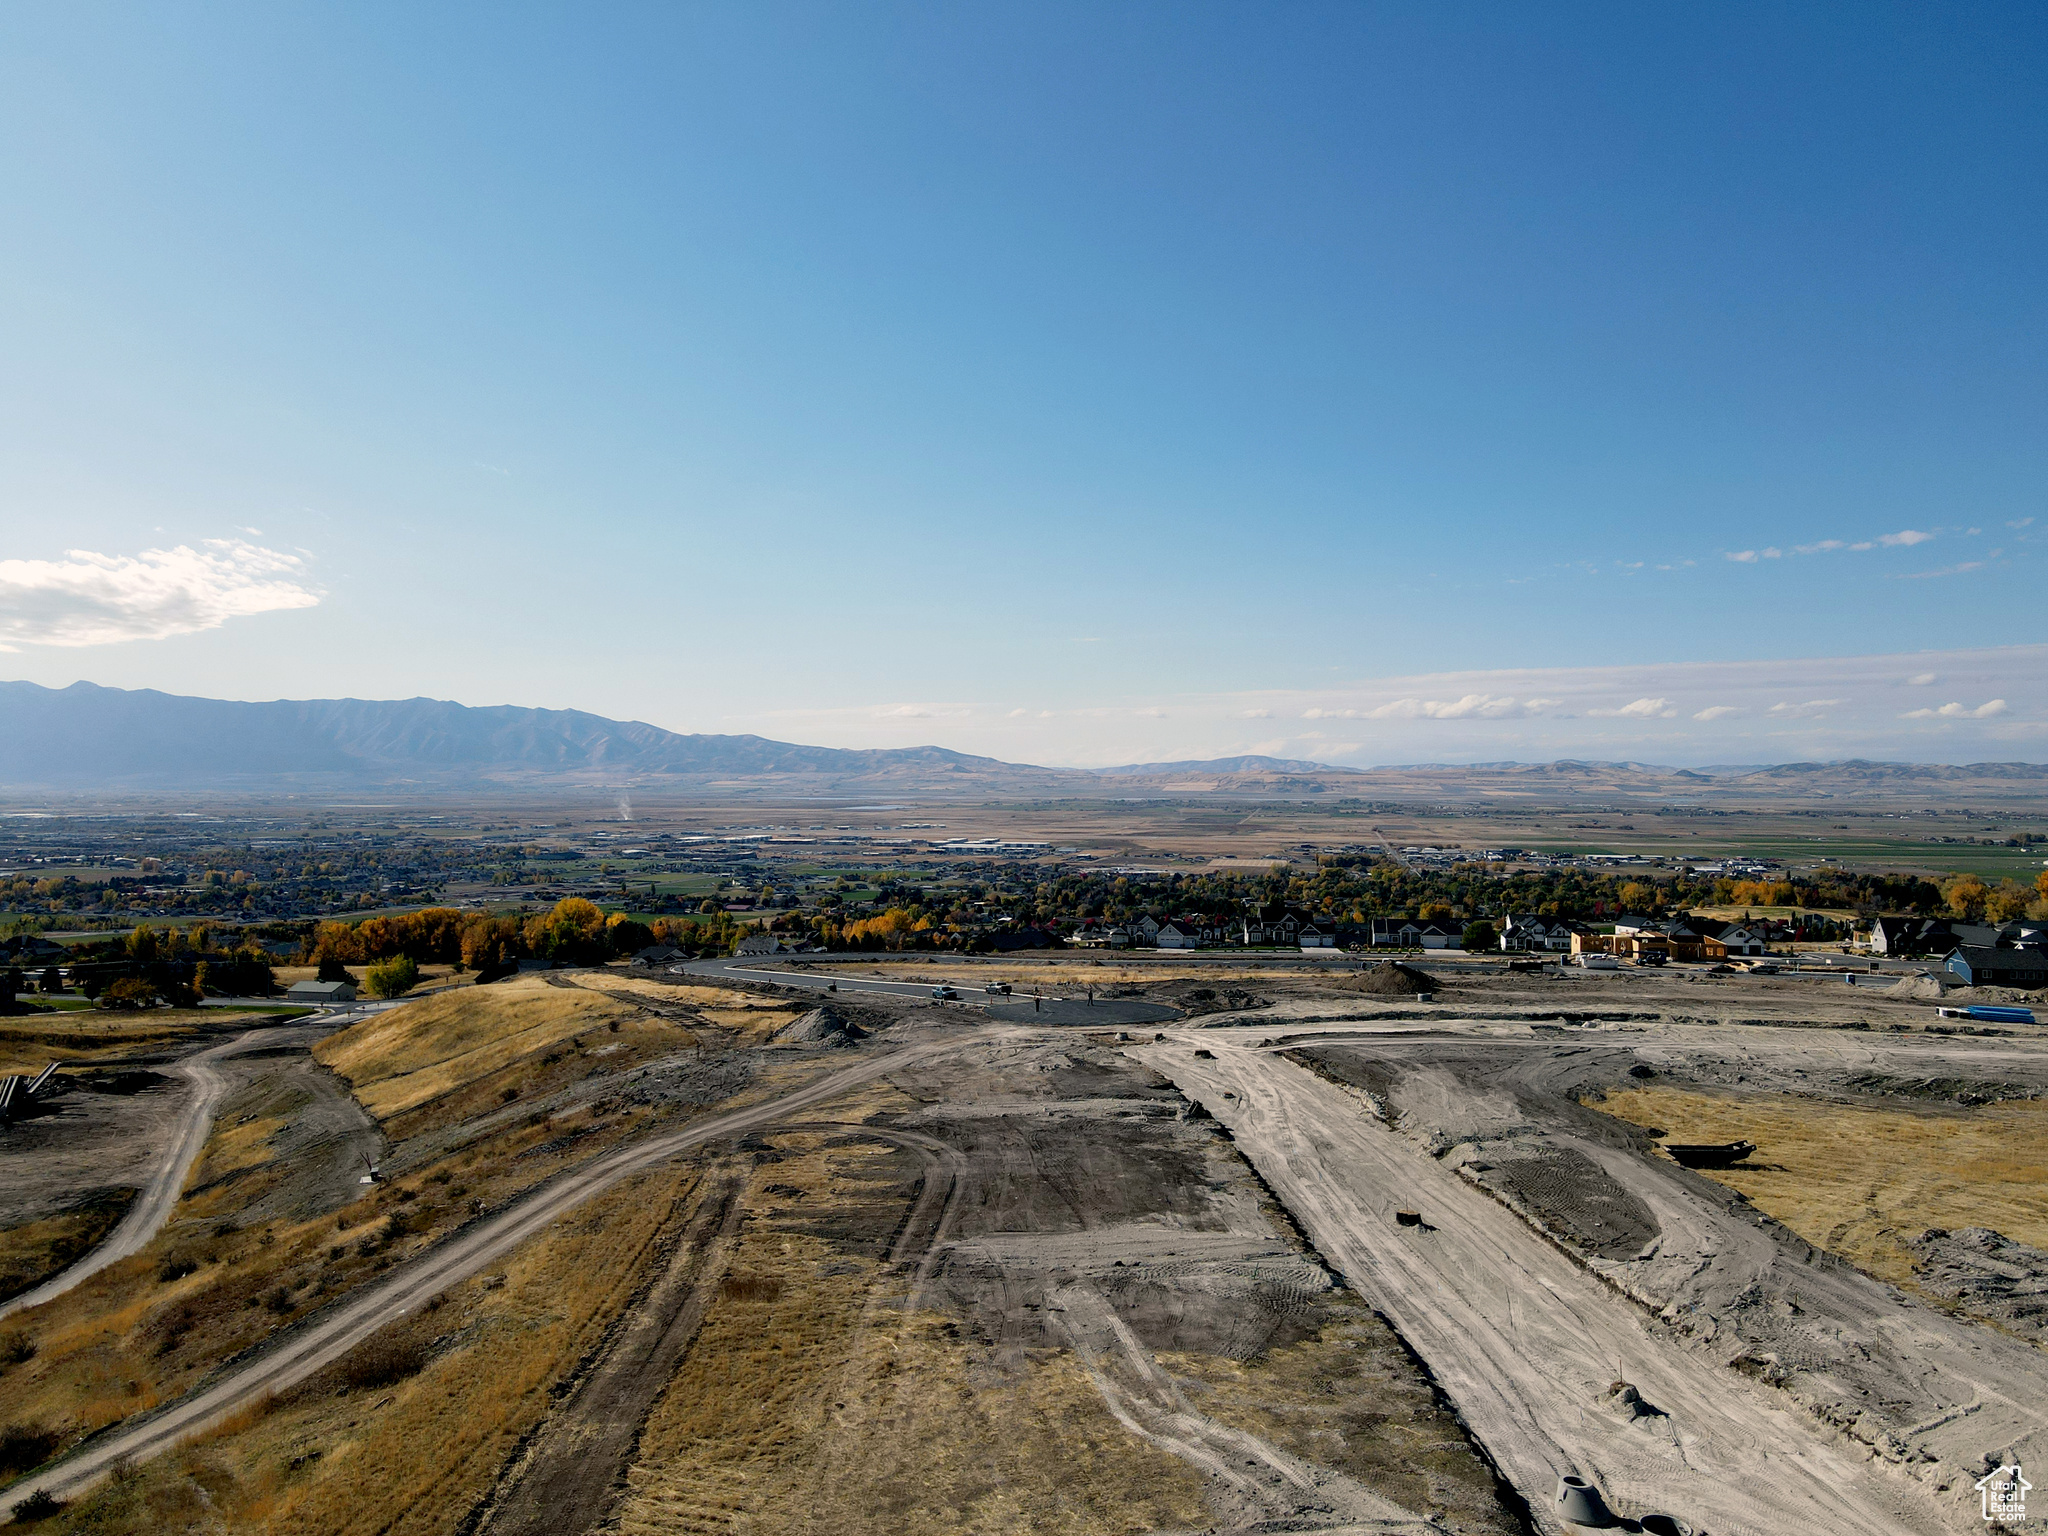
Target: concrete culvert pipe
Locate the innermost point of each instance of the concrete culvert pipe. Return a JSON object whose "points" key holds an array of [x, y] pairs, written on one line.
{"points": [[1665, 1525], [1580, 1506]]}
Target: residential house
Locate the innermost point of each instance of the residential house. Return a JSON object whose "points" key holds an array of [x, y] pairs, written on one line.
{"points": [[1737, 939], [1179, 933], [759, 944], [1976, 966], [32, 949], [1271, 925], [1395, 933], [1528, 934], [1316, 935], [658, 954]]}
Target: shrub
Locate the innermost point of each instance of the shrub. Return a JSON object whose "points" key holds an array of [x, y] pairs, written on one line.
{"points": [[381, 1362], [751, 1287], [37, 1506], [26, 1446], [17, 1349], [175, 1268]]}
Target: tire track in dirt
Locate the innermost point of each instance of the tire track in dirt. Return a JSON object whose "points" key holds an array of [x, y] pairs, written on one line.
{"points": [[570, 1474], [153, 1207], [326, 1337]]}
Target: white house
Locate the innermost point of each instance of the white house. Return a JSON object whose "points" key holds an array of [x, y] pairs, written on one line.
{"points": [[1313, 936], [760, 944], [1530, 934], [1178, 933]]}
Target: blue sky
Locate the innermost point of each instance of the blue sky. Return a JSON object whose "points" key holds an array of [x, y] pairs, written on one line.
{"points": [[1057, 382]]}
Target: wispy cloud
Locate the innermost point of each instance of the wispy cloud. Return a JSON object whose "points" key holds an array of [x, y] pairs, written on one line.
{"points": [[1670, 712], [2025, 522], [1983, 711], [1904, 538], [1963, 568], [1473, 706], [1641, 709], [1812, 709], [94, 599]]}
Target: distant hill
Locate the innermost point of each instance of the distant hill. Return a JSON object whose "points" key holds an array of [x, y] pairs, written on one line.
{"points": [[89, 738], [86, 736], [1216, 765]]}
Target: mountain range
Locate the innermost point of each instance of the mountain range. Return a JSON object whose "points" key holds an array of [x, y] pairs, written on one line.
{"points": [[89, 738]]}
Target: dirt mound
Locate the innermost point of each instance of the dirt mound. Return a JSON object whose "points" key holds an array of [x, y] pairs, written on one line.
{"points": [[1988, 1274], [1391, 979], [821, 1026], [1924, 988], [1197, 997]]}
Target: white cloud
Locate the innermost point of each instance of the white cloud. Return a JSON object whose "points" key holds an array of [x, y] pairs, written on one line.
{"points": [[95, 599], [1641, 709], [906, 712], [1812, 709], [1922, 680], [2025, 522], [1823, 547], [1019, 714], [1258, 714], [1473, 706], [1905, 536], [1946, 570], [1154, 713], [1717, 712], [1959, 712]]}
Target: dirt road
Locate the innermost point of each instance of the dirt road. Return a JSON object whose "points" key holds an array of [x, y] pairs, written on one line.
{"points": [[1524, 1340], [185, 1140], [328, 1337]]}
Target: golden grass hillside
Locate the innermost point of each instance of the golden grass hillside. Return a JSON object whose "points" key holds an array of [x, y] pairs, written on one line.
{"points": [[1863, 1181], [396, 1060]]}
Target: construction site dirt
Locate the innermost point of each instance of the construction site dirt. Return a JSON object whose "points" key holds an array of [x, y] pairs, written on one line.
{"points": [[1333, 1259]]}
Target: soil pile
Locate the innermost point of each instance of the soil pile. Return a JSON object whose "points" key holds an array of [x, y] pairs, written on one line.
{"points": [[1391, 979], [1988, 1274], [1194, 998], [1924, 988], [821, 1026]]}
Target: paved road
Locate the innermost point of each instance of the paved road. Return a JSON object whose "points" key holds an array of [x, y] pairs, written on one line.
{"points": [[153, 1207], [328, 1336]]}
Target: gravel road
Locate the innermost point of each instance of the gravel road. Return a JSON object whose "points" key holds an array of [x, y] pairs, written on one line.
{"points": [[184, 1140], [328, 1336], [1524, 1340]]}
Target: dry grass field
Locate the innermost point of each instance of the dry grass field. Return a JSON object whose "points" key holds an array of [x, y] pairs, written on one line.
{"points": [[1862, 1181], [405, 1434], [400, 1059], [87, 1036]]}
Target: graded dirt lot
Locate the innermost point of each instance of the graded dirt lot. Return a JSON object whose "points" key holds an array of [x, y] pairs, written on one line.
{"points": [[691, 1254]]}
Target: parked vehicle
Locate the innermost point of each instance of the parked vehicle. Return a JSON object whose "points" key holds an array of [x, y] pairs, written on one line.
{"points": [[997, 989], [945, 994]]}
